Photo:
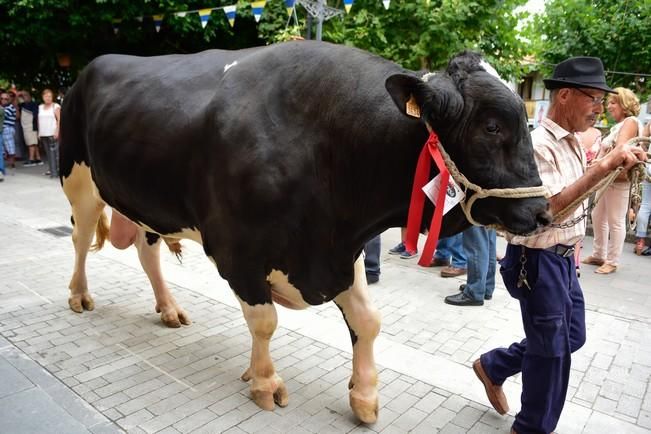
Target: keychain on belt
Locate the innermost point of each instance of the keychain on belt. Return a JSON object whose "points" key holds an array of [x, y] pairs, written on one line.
{"points": [[522, 277]]}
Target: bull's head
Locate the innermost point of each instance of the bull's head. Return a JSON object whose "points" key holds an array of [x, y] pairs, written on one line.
{"points": [[483, 126]]}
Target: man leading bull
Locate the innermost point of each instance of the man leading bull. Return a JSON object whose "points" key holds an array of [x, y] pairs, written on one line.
{"points": [[539, 270]]}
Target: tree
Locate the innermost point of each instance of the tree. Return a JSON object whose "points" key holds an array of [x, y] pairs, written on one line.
{"points": [[617, 31], [415, 33], [36, 31], [424, 34]]}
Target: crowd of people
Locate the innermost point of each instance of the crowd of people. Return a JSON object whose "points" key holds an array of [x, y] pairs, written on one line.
{"points": [[29, 130]]}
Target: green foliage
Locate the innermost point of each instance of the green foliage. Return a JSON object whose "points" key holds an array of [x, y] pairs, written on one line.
{"points": [[415, 33], [424, 34], [34, 31], [617, 31]]}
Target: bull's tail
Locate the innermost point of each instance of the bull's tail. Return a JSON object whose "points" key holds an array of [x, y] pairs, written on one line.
{"points": [[101, 232]]}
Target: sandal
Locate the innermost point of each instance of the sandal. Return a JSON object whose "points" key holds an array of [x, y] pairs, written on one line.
{"points": [[639, 246], [592, 260], [606, 269]]}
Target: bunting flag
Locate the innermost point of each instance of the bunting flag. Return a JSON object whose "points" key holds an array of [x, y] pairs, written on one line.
{"points": [[204, 16], [290, 4], [158, 20], [258, 7], [230, 14], [116, 25]]}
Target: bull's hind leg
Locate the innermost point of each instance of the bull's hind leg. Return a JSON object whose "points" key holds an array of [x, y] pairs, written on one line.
{"points": [[88, 219], [266, 386], [148, 245], [363, 321]]}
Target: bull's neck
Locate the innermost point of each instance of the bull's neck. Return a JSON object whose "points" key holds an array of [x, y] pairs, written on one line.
{"points": [[382, 190]]}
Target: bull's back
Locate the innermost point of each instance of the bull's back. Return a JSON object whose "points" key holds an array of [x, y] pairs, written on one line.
{"points": [[140, 125], [155, 131]]}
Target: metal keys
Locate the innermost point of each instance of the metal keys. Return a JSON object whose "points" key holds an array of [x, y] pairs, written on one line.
{"points": [[522, 277]]}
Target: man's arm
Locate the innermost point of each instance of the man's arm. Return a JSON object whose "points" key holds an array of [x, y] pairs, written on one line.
{"points": [[625, 156]]}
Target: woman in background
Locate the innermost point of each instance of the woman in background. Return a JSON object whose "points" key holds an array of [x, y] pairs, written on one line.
{"points": [[609, 215], [49, 116], [590, 141], [642, 221]]}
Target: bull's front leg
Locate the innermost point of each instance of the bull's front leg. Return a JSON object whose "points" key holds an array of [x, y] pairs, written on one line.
{"points": [[266, 386], [148, 245], [363, 321]]}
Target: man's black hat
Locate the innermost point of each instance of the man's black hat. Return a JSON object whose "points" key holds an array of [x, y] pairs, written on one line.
{"points": [[579, 72]]}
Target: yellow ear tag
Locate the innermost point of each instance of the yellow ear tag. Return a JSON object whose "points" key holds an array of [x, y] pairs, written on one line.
{"points": [[412, 108]]}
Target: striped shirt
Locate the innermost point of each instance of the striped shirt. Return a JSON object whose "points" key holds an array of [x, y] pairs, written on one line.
{"points": [[10, 116], [561, 161]]}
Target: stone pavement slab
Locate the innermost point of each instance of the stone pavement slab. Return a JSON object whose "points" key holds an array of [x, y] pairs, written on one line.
{"points": [[33, 401], [130, 373]]}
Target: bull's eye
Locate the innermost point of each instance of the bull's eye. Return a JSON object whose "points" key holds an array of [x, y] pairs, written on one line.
{"points": [[492, 128]]}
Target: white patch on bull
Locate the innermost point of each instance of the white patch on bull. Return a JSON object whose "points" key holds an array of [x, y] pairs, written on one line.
{"points": [[76, 182], [186, 233], [283, 292], [489, 68], [427, 76], [229, 66]]}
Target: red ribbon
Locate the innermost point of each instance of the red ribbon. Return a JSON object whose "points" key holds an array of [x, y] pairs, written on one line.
{"points": [[418, 197]]}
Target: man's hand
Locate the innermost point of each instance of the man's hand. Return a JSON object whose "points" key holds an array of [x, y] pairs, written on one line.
{"points": [[625, 156]]}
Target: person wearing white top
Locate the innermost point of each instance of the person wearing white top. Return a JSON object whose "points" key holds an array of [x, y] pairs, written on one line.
{"points": [[49, 116], [609, 215], [643, 214]]}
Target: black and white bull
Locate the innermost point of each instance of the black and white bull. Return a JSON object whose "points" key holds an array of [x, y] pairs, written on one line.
{"points": [[282, 162]]}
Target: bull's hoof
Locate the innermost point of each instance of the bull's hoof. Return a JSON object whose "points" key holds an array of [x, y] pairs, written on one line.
{"points": [[80, 302], [266, 392], [173, 316], [366, 409]]}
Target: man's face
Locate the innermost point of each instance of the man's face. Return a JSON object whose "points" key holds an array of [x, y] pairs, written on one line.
{"points": [[587, 105], [5, 99]]}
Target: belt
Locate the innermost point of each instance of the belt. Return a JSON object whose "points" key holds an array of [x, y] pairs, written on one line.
{"points": [[561, 250]]}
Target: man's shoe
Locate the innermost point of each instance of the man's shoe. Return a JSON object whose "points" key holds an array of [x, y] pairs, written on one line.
{"points": [[397, 250], [462, 288], [461, 299], [437, 262], [408, 254], [451, 271], [29, 163], [639, 246], [372, 278], [494, 393]]}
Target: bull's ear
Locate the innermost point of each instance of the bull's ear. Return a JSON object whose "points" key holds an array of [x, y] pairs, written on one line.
{"points": [[409, 93]]}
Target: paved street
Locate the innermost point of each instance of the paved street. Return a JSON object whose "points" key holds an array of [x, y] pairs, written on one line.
{"points": [[118, 369]]}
